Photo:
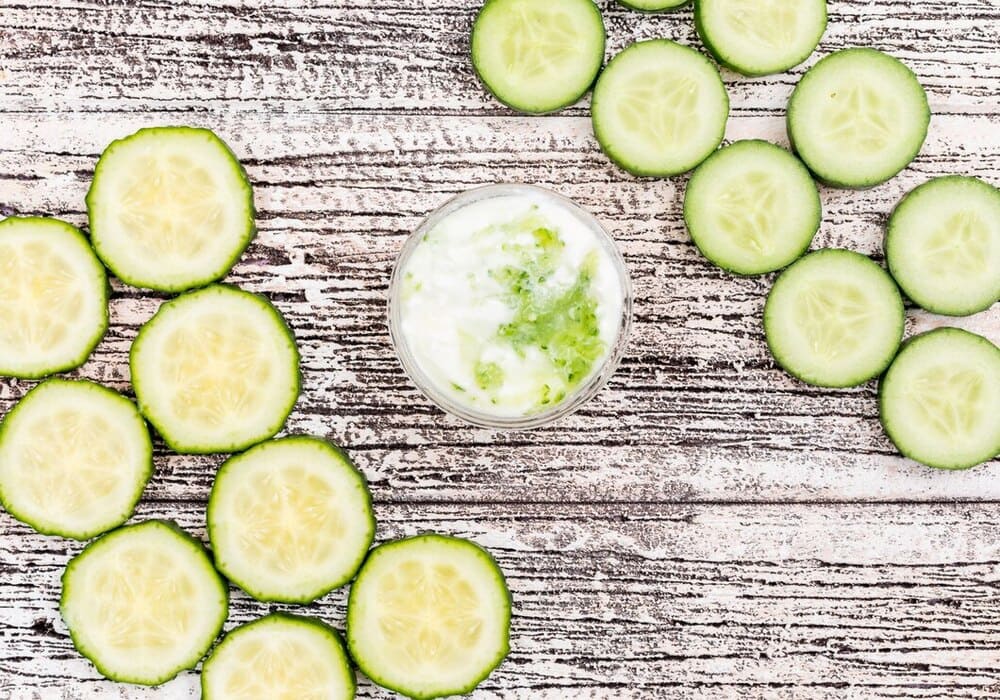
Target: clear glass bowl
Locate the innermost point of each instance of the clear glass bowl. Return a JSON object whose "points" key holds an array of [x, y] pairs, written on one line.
{"points": [[582, 393]]}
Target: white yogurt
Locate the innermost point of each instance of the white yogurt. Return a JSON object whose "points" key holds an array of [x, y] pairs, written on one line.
{"points": [[510, 303]]}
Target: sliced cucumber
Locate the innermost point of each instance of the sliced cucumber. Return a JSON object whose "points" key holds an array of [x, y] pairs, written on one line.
{"points": [[290, 519], [760, 37], [858, 117], [279, 657], [940, 400], [215, 370], [653, 5], [752, 207], [834, 318], [429, 616], [943, 245], [659, 108], [143, 602], [53, 297], [170, 208], [74, 459], [535, 56]]}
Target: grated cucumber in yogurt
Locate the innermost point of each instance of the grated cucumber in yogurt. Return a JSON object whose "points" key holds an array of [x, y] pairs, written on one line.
{"points": [[510, 303]]}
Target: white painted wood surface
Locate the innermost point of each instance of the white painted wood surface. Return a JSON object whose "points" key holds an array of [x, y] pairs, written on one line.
{"points": [[707, 526]]}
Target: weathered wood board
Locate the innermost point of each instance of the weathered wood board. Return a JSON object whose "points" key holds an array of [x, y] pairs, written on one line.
{"points": [[707, 526]]}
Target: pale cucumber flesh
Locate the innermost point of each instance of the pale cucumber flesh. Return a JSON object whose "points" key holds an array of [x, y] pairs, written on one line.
{"points": [[940, 400]]}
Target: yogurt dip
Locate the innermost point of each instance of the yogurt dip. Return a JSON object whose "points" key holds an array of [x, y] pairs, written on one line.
{"points": [[508, 303]]}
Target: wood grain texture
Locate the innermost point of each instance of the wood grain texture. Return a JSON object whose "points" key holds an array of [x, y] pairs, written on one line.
{"points": [[707, 526], [643, 601]]}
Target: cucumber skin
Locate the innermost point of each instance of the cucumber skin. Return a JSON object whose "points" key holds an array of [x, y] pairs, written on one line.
{"points": [[729, 269], [511, 105], [291, 618], [718, 54], [669, 6], [344, 459], [177, 530], [447, 538], [866, 184], [639, 172], [236, 447], [99, 336], [173, 289], [62, 533], [916, 340], [928, 304], [851, 383]]}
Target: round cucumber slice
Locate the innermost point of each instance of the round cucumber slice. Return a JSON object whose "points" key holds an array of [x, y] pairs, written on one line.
{"points": [[290, 519], [752, 207], [760, 37], [858, 117], [659, 108], [834, 318], [215, 370], [653, 5], [143, 602], [53, 297], [74, 459], [943, 245], [429, 616], [170, 208], [940, 400], [538, 57], [279, 657]]}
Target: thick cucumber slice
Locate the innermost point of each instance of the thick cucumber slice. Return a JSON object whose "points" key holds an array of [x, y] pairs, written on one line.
{"points": [[943, 245], [53, 297], [290, 519], [653, 5], [659, 108], [279, 657], [429, 616], [74, 459], [752, 207], [215, 370], [760, 37], [143, 602], [834, 318], [535, 56], [940, 400], [858, 117], [170, 208]]}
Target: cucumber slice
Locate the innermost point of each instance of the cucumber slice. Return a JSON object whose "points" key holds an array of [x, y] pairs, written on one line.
{"points": [[752, 207], [53, 297], [290, 519], [857, 118], [429, 616], [659, 108], [943, 245], [538, 57], [940, 400], [834, 318], [74, 459], [279, 657], [215, 370], [760, 37], [143, 602], [653, 5], [170, 208]]}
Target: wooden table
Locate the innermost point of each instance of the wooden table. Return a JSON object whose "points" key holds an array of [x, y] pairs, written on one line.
{"points": [[707, 526]]}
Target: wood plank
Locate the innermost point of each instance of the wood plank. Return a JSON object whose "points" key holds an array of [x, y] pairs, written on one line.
{"points": [[376, 55], [698, 410], [653, 600]]}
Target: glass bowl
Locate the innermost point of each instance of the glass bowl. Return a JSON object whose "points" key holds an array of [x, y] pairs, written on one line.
{"points": [[580, 394]]}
